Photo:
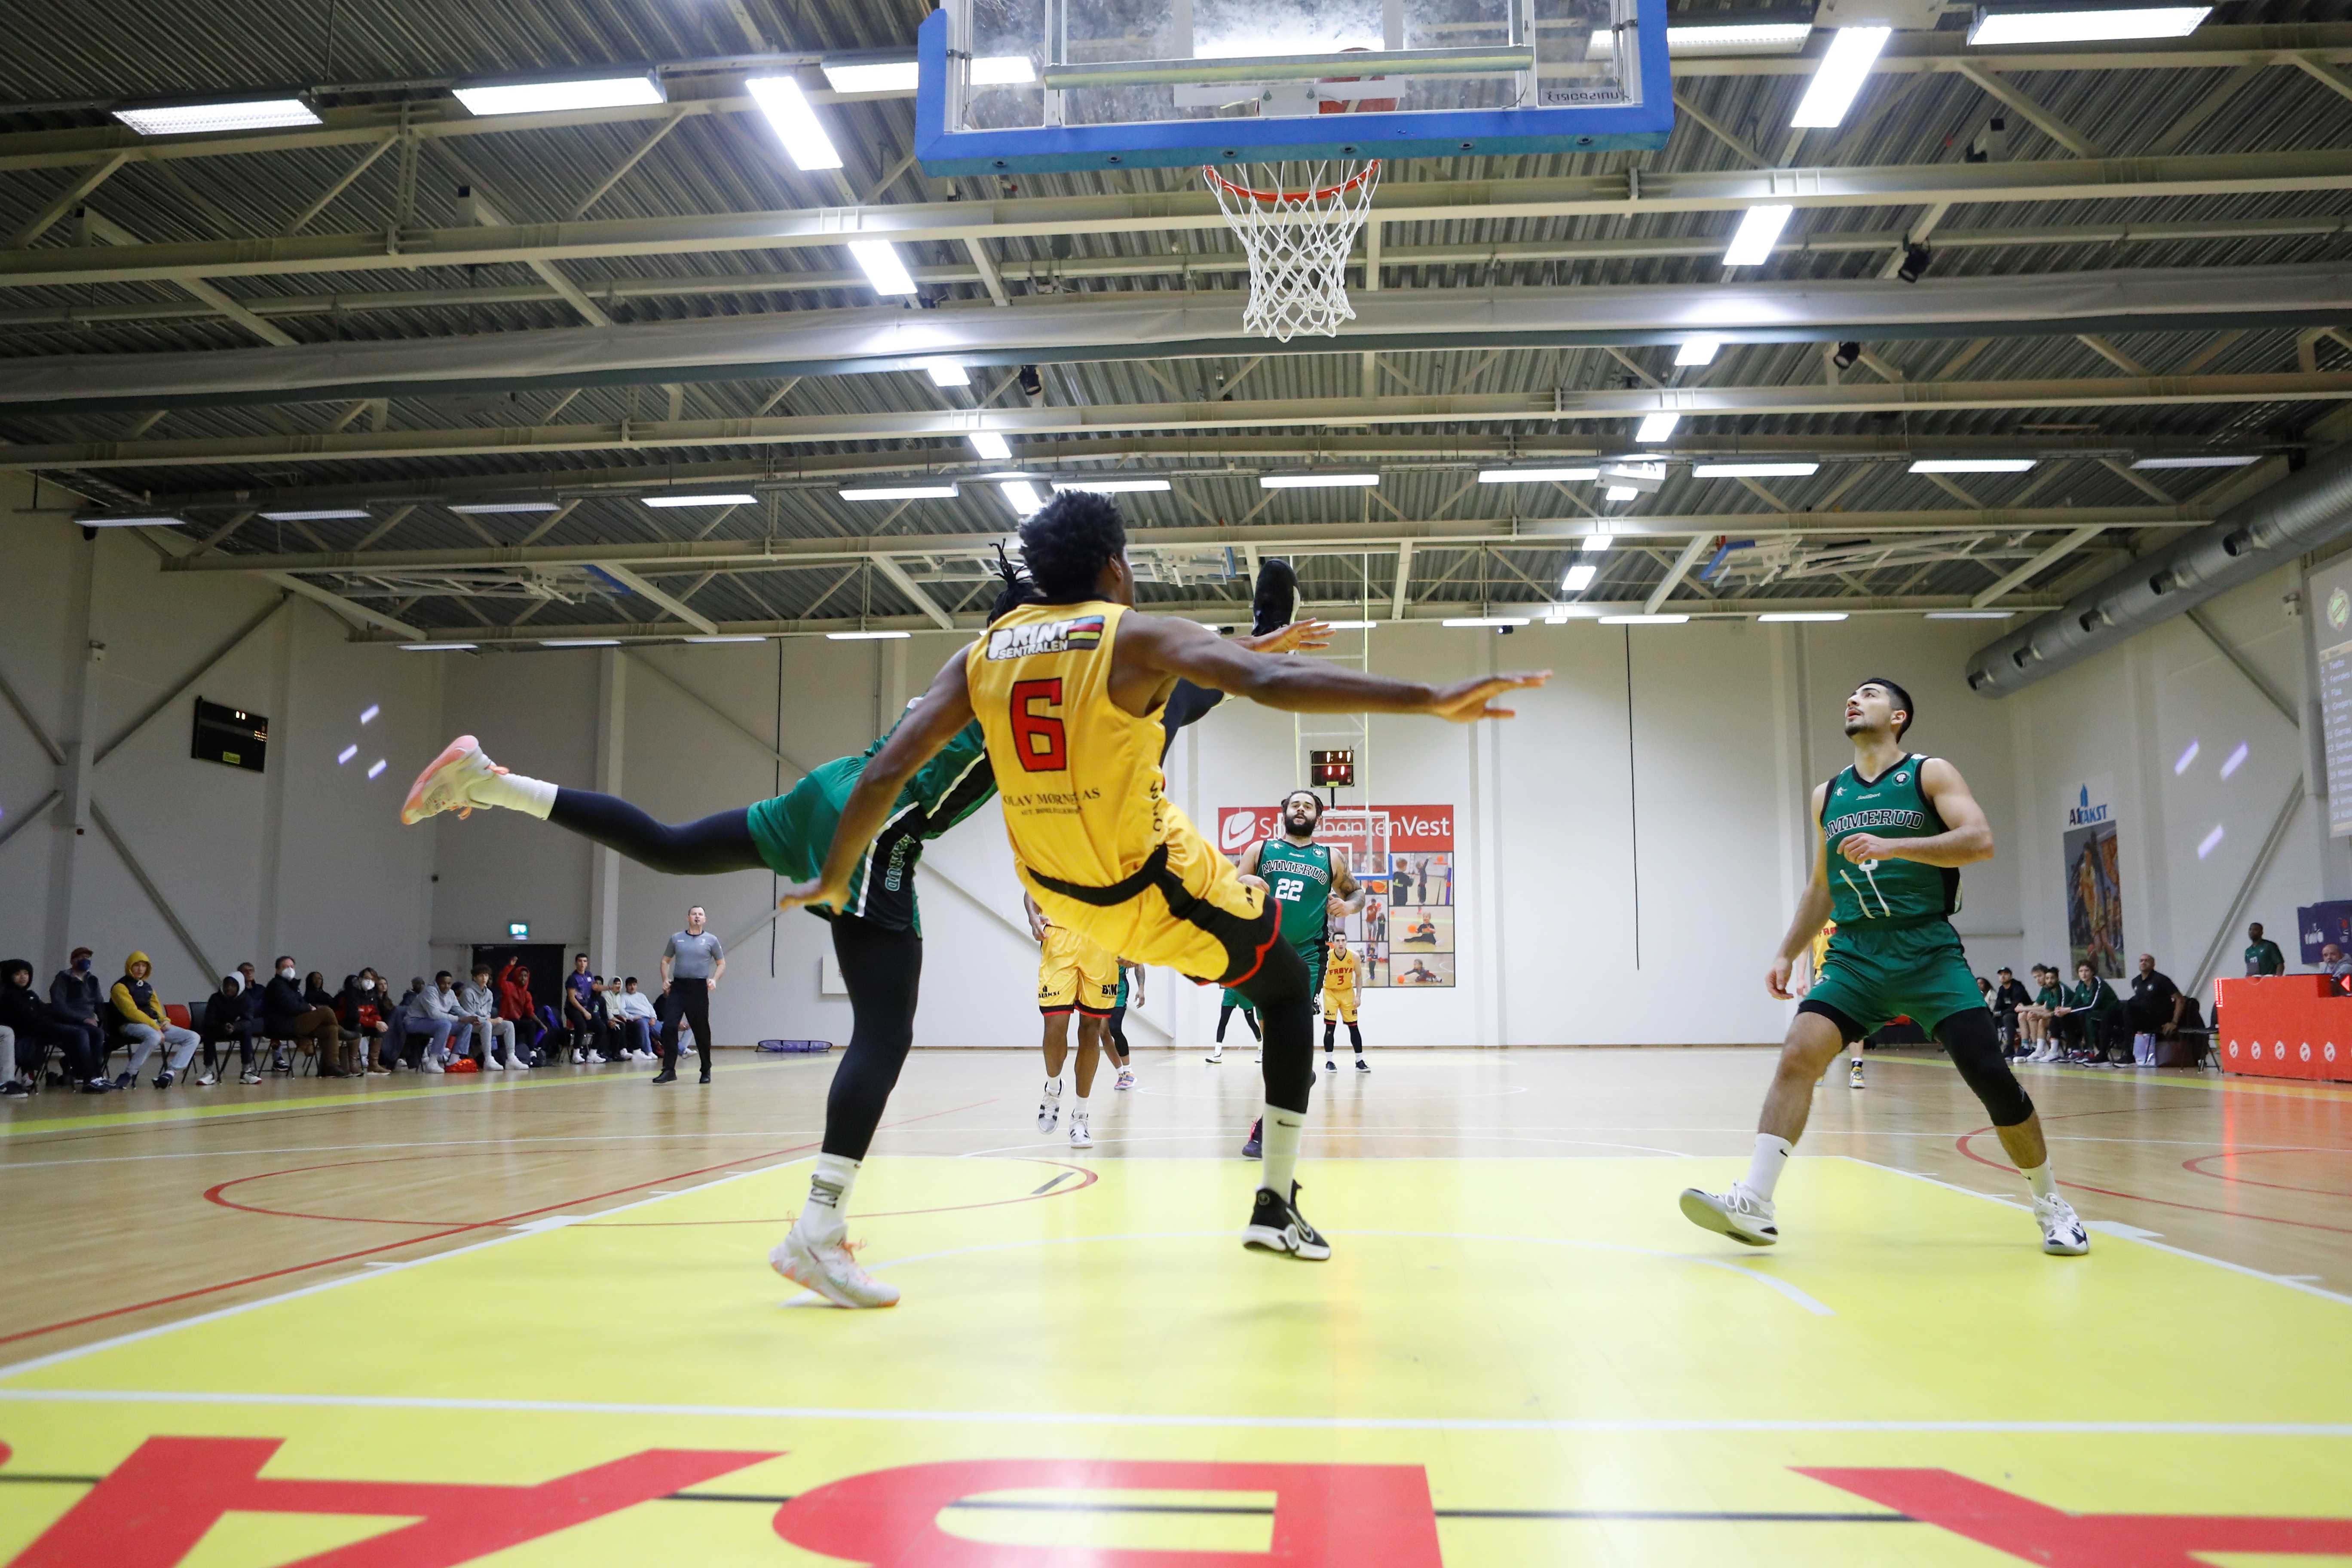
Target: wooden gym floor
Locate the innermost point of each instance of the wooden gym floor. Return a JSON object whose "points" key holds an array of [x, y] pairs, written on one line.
{"points": [[530, 1322]]}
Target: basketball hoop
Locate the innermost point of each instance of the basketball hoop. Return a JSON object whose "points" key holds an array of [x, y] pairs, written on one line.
{"points": [[1297, 241]]}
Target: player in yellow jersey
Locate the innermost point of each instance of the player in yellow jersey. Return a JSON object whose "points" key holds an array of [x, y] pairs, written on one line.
{"points": [[1073, 973], [1341, 974], [1067, 693]]}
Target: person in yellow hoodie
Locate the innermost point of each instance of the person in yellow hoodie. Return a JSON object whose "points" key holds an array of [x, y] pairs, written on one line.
{"points": [[144, 1022]]}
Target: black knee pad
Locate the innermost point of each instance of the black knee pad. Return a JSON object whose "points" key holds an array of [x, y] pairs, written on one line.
{"points": [[1972, 1041], [1284, 993]]}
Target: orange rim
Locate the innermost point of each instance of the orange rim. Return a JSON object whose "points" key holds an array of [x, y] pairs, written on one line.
{"points": [[1368, 171]]}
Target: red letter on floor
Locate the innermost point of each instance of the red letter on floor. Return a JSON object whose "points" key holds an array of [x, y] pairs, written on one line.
{"points": [[2026, 1529], [158, 1503], [1325, 1516]]}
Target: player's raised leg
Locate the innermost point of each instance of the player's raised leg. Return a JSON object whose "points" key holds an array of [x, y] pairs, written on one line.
{"points": [[463, 779]]}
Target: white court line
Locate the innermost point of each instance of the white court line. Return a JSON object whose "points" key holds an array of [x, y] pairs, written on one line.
{"points": [[2128, 1233], [1222, 1135], [8, 1165], [1603, 1424], [139, 1335], [1780, 1287]]}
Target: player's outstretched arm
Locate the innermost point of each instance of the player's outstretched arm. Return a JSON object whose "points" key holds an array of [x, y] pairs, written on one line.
{"points": [[930, 724], [1968, 838], [1812, 910], [1161, 646]]}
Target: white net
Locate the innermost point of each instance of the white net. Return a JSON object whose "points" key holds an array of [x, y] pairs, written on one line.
{"points": [[1297, 222]]}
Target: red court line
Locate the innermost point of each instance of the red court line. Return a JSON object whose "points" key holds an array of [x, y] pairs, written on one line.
{"points": [[1961, 1144], [2197, 1167], [437, 1236]]}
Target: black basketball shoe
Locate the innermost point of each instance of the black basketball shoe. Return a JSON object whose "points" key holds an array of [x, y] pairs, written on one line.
{"points": [[1275, 604], [1276, 1225]]}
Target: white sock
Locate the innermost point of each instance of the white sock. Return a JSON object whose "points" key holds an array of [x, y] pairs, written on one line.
{"points": [[826, 1217], [1279, 1149], [1081, 1106], [513, 792], [2044, 1184], [1053, 1089], [1765, 1166]]}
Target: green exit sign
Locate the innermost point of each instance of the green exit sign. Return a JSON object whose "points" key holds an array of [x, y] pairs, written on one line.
{"points": [[519, 930]]}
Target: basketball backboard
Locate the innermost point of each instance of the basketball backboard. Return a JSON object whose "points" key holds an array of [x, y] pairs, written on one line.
{"points": [[1010, 85]]}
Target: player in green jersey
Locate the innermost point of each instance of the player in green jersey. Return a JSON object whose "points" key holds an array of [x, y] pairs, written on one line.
{"points": [[1891, 834], [1312, 885]]}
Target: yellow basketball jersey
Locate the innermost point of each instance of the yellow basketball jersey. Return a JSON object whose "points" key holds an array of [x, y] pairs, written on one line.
{"points": [[1085, 801], [1340, 973]]}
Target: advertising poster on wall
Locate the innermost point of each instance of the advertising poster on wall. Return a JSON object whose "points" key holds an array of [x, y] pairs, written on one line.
{"points": [[2094, 900], [1403, 857], [2330, 595]]}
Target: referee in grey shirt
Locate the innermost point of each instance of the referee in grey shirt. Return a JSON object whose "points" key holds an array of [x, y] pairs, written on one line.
{"points": [[691, 966]]}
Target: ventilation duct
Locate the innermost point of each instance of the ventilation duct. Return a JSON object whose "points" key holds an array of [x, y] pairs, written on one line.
{"points": [[2300, 513]]}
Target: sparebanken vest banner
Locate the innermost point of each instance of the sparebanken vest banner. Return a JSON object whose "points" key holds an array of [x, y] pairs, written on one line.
{"points": [[1404, 858]]}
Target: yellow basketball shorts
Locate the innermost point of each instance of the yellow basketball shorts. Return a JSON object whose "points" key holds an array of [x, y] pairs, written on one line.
{"points": [[1075, 973], [1340, 1005], [1185, 907]]}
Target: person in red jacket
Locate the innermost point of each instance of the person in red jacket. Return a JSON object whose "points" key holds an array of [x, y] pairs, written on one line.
{"points": [[515, 1005]]}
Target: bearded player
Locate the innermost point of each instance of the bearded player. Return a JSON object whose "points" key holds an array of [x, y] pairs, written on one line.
{"points": [[1312, 884], [1068, 693], [1891, 834]]}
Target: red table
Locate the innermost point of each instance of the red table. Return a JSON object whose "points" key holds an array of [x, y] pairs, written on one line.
{"points": [[2285, 1025]]}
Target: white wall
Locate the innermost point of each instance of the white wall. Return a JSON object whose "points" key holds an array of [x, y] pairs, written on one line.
{"points": [[1629, 847], [307, 857]]}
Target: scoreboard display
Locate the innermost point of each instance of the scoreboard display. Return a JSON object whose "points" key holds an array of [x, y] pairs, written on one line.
{"points": [[1331, 770]]}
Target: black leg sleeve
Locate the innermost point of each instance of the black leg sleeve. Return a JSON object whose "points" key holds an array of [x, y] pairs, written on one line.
{"points": [[1283, 992], [1356, 1038], [1224, 1016], [1331, 1032], [1250, 1018], [884, 972], [719, 842], [1969, 1037]]}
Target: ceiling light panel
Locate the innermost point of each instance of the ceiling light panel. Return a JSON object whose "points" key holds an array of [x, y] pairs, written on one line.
{"points": [[553, 96]]}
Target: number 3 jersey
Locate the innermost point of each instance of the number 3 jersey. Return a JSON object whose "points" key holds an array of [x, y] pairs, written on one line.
{"points": [[1096, 839], [1886, 893]]}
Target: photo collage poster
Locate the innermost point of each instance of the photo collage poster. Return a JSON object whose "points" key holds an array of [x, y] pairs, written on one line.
{"points": [[1404, 858]]}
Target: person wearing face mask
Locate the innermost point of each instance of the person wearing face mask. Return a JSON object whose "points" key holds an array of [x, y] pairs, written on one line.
{"points": [[75, 988], [364, 1013], [226, 1019], [292, 1016], [39, 1025], [140, 1018]]}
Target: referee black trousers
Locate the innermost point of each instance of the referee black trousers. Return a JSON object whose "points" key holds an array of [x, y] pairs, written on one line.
{"points": [[689, 1001]]}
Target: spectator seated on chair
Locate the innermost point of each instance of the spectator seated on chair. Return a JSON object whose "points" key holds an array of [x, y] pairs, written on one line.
{"points": [[616, 1040], [517, 1008], [2335, 966], [362, 1009], [2008, 996], [583, 1016], [436, 1032], [290, 1013], [2156, 1003], [226, 1020], [40, 1026], [76, 988], [2090, 1016], [636, 1011], [141, 1023], [479, 1001]]}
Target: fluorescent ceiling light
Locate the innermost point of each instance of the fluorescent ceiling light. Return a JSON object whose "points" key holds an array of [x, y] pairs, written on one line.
{"points": [[547, 97], [375, 770], [242, 114], [368, 714], [1643, 620], [947, 373], [348, 752], [1972, 465], [148, 521], [902, 492], [1970, 614], [438, 646], [1698, 350], [1759, 229], [1594, 542], [323, 514], [1314, 481], [1560, 614], [730, 498], [871, 76], [866, 636], [991, 446], [1998, 24], [1657, 426], [1003, 70], [2157, 463], [1739, 38], [1803, 616], [1110, 487], [1487, 621], [1351, 626], [579, 642], [883, 269], [795, 123], [747, 637], [1620, 492], [1753, 470], [484, 506], [1535, 476], [1579, 577], [1021, 496], [1844, 68]]}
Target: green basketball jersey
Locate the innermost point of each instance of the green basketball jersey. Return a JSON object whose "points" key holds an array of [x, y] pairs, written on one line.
{"points": [[1886, 892], [1300, 876]]}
